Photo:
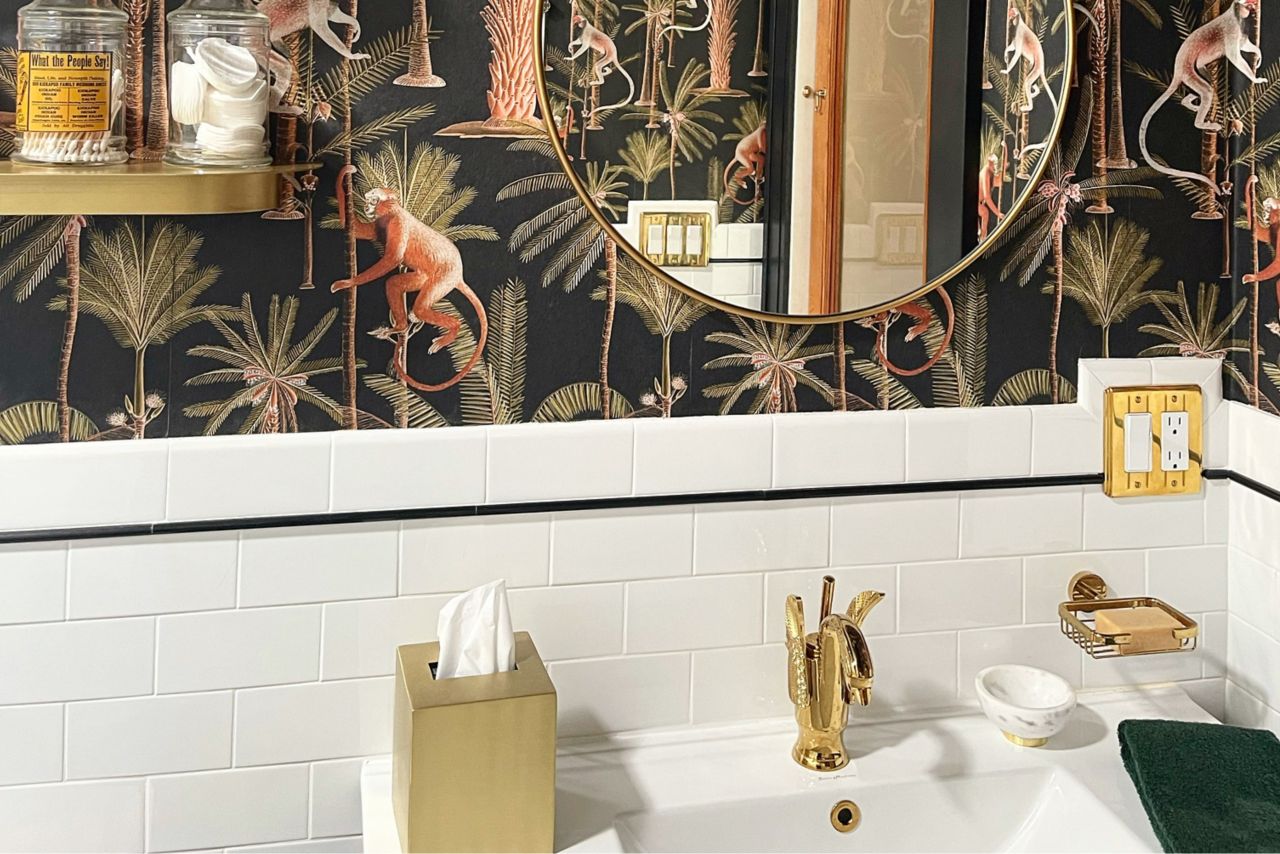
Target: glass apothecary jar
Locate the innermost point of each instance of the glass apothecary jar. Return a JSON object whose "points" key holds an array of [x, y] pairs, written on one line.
{"points": [[219, 92], [70, 83]]}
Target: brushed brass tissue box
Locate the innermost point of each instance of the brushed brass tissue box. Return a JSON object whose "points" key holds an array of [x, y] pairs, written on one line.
{"points": [[473, 762]]}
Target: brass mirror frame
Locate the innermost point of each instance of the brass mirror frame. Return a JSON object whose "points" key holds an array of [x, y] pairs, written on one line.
{"points": [[544, 106]]}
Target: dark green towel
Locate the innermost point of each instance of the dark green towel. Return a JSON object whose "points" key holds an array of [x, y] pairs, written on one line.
{"points": [[1206, 787]]}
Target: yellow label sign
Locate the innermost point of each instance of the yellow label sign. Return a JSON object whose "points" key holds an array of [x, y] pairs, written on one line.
{"points": [[63, 92]]}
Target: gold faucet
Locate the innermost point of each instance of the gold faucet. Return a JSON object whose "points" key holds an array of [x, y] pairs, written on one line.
{"points": [[826, 671]]}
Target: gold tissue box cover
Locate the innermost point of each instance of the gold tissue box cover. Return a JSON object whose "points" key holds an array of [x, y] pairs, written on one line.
{"points": [[473, 762]]}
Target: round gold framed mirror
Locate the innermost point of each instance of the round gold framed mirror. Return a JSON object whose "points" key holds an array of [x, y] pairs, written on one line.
{"points": [[803, 161]]}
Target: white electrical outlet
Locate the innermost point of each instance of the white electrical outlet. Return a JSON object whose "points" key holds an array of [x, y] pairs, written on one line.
{"points": [[1175, 453]]}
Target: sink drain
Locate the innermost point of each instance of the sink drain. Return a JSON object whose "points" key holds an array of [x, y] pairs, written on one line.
{"points": [[846, 816]]}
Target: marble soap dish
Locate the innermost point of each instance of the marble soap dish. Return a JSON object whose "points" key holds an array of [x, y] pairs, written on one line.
{"points": [[1029, 705]]}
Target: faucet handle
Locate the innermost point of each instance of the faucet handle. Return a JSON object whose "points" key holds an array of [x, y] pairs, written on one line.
{"points": [[797, 674], [862, 604]]}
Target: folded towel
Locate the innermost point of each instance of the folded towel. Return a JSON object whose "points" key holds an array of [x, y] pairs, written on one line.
{"points": [[1206, 787]]}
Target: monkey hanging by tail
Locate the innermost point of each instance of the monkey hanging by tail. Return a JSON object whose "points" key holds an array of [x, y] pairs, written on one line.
{"points": [[605, 54]]}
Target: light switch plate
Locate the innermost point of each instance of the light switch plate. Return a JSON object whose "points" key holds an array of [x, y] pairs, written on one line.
{"points": [[1156, 401]]}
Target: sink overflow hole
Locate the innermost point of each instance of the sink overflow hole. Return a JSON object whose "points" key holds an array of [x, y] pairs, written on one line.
{"points": [[846, 816]]}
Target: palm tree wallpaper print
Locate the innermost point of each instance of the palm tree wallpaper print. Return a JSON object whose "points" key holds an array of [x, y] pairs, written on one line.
{"points": [[1152, 232]]}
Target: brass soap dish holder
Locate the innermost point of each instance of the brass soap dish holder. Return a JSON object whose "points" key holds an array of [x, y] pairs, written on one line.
{"points": [[1088, 595]]}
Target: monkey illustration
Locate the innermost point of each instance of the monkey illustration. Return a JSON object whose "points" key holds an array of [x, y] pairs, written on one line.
{"points": [[293, 16], [672, 26], [1266, 230], [432, 268], [922, 317], [1224, 36], [606, 60], [989, 178], [749, 158], [1026, 45]]}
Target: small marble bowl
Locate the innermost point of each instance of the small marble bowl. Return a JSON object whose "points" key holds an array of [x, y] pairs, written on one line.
{"points": [[1029, 705]]}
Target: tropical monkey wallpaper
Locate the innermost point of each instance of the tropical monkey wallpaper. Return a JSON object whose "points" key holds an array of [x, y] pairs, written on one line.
{"points": [[438, 270]]}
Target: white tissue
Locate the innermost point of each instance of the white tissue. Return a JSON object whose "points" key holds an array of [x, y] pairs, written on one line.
{"points": [[475, 633]]}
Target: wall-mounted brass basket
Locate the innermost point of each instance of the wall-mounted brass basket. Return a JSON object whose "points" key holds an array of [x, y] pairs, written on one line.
{"points": [[1088, 598]]}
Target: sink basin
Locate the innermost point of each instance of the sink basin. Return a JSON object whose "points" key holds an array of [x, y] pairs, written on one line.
{"points": [[1034, 809]]}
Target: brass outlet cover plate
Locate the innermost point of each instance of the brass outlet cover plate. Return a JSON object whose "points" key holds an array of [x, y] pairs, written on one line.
{"points": [[1121, 401], [660, 253]]}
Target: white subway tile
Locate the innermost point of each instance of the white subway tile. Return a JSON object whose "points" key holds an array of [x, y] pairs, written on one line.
{"points": [[1213, 643], [894, 528], [542, 462], [740, 684], [959, 594], [1182, 370], [76, 661], [1209, 694], [1124, 671], [1217, 510], [234, 649], [1253, 591], [617, 694], [33, 582], [84, 483], [149, 735], [1253, 660], [321, 720], [330, 845], [834, 449], [1020, 521], [1244, 709], [152, 575], [1097, 375], [760, 536], [950, 444], [360, 638], [30, 745], [1189, 579], [1254, 436], [1039, 646], [447, 555], [232, 476], [694, 613], [335, 797], [807, 584], [616, 545], [1045, 579], [1146, 522], [1254, 520], [914, 671], [218, 808], [281, 566], [703, 454], [1065, 439], [1217, 438], [376, 470], [103, 816], [579, 621]]}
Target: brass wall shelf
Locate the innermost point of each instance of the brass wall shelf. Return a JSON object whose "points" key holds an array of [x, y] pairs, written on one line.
{"points": [[1078, 620], [138, 188]]}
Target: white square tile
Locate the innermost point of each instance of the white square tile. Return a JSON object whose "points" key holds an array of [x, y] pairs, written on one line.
{"points": [[914, 671], [360, 638], [1045, 579], [369, 470], [953, 444], [1254, 519], [30, 745], [1182, 370], [694, 613], [1190, 579], [231, 476], [1039, 646], [616, 545], [1254, 437], [959, 594], [762, 535], [1253, 591], [1097, 375], [335, 797], [1020, 521], [149, 735], [282, 566], [579, 621], [320, 720], [894, 528], [1146, 522], [807, 584], [76, 661], [1065, 439], [108, 816], [447, 555], [839, 449], [152, 575], [84, 483], [252, 805], [1213, 643], [33, 582], [703, 454], [542, 462], [235, 649], [740, 684], [1253, 660], [618, 694]]}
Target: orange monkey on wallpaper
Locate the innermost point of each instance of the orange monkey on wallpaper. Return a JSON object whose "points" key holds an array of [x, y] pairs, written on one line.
{"points": [[1266, 230], [294, 16], [989, 179], [749, 157], [432, 269]]}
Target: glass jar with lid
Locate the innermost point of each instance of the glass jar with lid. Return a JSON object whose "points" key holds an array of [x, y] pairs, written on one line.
{"points": [[70, 83], [219, 92]]}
